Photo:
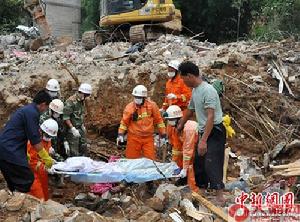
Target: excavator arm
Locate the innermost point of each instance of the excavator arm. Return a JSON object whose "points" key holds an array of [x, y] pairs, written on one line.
{"points": [[37, 12]]}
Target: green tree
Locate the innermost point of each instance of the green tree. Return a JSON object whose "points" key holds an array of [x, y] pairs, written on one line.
{"points": [[216, 18], [12, 14], [277, 19], [90, 14]]}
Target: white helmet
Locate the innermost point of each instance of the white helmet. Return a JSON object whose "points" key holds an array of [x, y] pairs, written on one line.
{"points": [[174, 112], [174, 64], [50, 127], [53, 85], [140, 91], [57, 106], [85, 88]]}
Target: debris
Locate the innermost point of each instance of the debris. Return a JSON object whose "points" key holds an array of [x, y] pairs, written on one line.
{"points": [[81, 196], [176, 217], [150, 216], [106, 195], [239, 184], [101, 188], [278, 148], [3, 197], [168, 194], [16, 202], [211, 206], [156, 204], [226, 159], [248, 168], [32, 32]]}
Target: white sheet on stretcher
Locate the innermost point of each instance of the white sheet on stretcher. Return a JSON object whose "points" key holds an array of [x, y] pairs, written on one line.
{"points": [[86, 170]]}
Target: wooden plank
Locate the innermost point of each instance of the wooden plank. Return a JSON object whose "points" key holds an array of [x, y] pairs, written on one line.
{"points": [[281, 73], [225, 166], [219, 212], [197, 215], [285, 166]]}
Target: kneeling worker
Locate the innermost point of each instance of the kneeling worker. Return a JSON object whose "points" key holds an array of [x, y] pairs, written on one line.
{"points": [[38, 166], [139, 119], [183, 144]]}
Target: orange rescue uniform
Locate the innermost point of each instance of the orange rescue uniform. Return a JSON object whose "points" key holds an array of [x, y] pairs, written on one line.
{"points": [[39, 187], [140, 140], [183, 93], [184, 151]]}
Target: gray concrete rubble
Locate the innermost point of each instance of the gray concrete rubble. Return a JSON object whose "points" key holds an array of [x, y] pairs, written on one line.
{"points": [[261, 95]]}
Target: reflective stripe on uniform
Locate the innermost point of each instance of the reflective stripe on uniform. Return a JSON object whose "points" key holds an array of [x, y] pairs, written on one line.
{"points": [[186, 158], [161, 125], [183, 98], [176, 152], [123, 127], [37, 167], [143, 115]]}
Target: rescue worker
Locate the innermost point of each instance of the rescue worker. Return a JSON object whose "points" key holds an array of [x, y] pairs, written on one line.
{"points": [[74, 119], [209, 156], [139, 119], [55, 112], [22, 127], [177, 93], [39, 187], [58, 151], [53, 88], [182, 143]]}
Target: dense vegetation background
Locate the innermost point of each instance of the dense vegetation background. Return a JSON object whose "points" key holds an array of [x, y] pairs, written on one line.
{"points": [[219, 20]]}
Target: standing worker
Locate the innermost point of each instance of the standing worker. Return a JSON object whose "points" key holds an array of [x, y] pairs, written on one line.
{"points": [[74, 120], [183, 143], [177, 93], [139, 119], [22, 127], [209, 156], [39, 187], [53, 88]]}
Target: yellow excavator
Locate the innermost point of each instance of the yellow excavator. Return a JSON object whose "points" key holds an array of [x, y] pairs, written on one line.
{"points": [[134, 20]]}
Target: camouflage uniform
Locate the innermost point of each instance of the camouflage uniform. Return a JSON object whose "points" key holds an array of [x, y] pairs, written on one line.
{"points": [[57, 142], [74, 111]]}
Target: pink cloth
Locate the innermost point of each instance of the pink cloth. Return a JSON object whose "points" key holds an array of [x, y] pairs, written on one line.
{"points": [[100, 188]]}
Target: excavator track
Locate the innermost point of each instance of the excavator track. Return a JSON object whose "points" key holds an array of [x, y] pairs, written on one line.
{"points": [[137, 34], [146, 32], [91, 39]]}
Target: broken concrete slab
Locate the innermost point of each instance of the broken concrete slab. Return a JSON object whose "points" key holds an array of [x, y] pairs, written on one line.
{"points": [[3, 197], [16, 202]]}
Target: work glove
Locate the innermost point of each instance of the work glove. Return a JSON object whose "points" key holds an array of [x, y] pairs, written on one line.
{"points": [[75, 132], [67, 147], [163, 141], [183, 173], [120, 139], [171, 96], [43, 154], [51, 151], [51, 170]]}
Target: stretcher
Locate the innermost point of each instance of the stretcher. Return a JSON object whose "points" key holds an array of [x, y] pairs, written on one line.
{"points": [[86, 170]]}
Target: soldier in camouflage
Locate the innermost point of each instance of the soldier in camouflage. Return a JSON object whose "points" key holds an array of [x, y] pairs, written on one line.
{"points": [[74, 119], [55, 112]]}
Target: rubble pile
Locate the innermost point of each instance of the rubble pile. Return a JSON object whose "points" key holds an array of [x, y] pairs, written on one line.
{"points": [[23, 207], [135, 203], [261, 95]]}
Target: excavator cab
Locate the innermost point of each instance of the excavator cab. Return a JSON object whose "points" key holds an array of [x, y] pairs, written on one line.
{"points": [[120, 6]]}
